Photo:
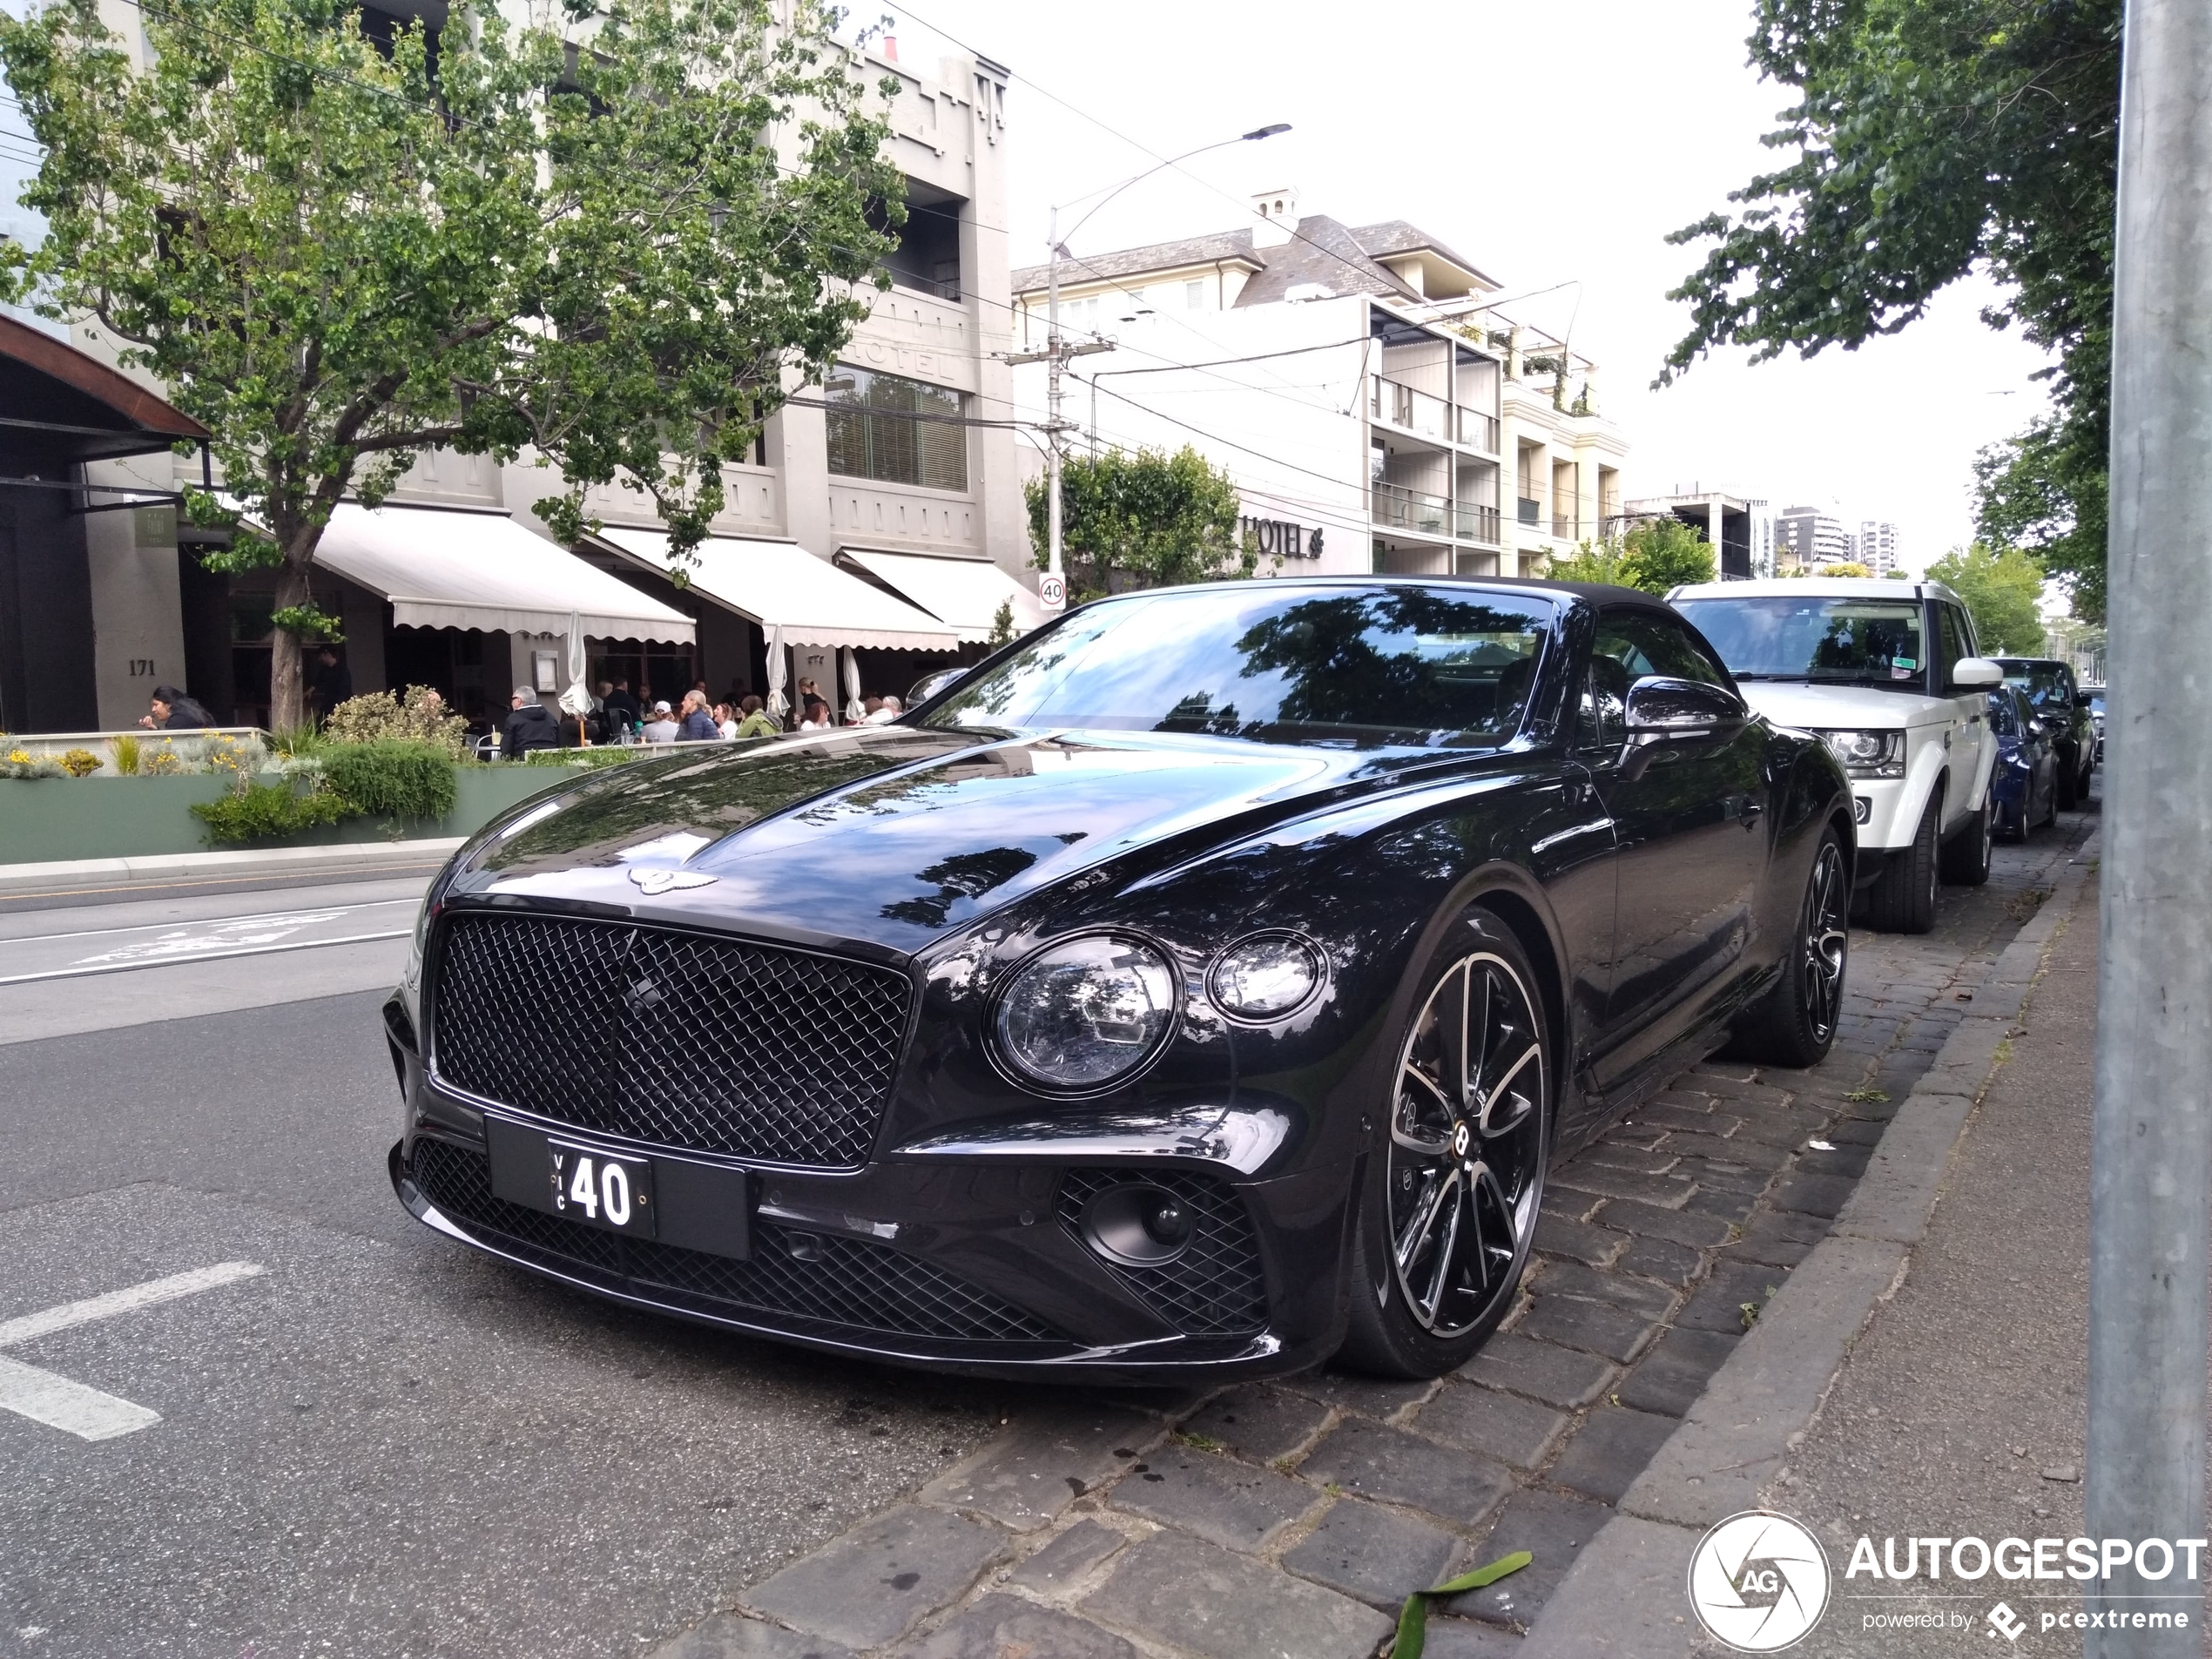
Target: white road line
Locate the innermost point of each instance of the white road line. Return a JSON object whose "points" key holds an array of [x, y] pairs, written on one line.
{"points": [[208, 922], [46, 1398], [128, 1300], [205, 956], [58, 1403]]}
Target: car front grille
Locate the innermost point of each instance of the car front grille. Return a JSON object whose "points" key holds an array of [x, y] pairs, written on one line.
{"points": [[681, 1040], [834, 1284], [1216, 1287]]}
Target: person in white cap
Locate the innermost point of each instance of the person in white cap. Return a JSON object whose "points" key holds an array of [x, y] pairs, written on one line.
{"points": [[661, 727]]}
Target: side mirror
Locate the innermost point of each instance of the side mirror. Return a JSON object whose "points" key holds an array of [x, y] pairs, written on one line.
{"points": [[1660, 708], [929, 684], [1975, 674]]}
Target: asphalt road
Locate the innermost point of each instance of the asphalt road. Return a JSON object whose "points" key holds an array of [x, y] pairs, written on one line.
{"points": [[379, 1443]]}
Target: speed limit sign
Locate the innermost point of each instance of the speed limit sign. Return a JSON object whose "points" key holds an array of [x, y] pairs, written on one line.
{"points": [[1052, 592]]}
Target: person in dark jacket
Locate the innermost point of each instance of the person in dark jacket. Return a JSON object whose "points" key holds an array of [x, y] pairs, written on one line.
{"points": [[330, 683], [623, 705], [170, 709], [530, 726], [698, 724]]}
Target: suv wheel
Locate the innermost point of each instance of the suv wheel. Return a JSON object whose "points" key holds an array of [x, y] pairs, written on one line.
{"points": [[1903, 899], [2069, 784], [1965, 856]]}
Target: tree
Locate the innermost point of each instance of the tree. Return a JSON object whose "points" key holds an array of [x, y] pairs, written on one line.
{"points": [[2003, 588], [1146, 520], [1656, 555], [1932, 137], [337, 253], [1842, 567]]}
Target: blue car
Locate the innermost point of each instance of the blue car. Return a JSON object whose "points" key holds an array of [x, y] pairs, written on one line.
{"points": [[2024, 783]]}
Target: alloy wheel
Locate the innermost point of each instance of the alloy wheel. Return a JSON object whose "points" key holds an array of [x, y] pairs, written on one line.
{"points": [[1466, 1154], [1827, 941]]}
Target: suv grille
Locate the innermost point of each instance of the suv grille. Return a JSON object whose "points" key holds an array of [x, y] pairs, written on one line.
{"points": [[1216, 1287], [848, 1284], [685, 1040]]}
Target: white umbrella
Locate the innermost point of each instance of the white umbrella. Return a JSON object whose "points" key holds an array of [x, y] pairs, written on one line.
{"points": [[576, 699], [778, 705], [855, 709]]}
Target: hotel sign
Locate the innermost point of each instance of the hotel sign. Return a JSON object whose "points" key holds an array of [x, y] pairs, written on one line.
{"points": [[1282, 538]]}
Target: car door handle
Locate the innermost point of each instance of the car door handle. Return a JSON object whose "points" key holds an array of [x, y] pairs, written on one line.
{"points": [[1749, 810]]}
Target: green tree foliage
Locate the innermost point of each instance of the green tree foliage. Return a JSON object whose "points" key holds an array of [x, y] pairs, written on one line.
{"points": [[1930, 137], [1146, 520], [1656, 555], [2003, 588], [337, 254]]}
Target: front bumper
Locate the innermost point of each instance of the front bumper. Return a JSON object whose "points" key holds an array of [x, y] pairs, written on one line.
{"points": [[972, 1265]]}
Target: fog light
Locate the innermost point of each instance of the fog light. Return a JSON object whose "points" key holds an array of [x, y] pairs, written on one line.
{"points": [[1138, 1226], [1861, 810]]}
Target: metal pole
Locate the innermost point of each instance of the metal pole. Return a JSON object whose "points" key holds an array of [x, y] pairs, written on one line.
{"points": [[1053, 365], [2151, 1156]]}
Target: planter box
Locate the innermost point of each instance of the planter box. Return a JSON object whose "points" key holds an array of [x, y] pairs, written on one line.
{"points": [[43, 818]]}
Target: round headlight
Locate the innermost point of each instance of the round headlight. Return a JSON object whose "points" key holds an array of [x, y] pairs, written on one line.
{"points": [[1264, 978], [1086, 1011]]}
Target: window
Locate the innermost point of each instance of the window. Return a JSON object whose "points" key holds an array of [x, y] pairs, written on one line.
{"points": [[1949, 649], [896, 430], [1651, 642], [927, 258], [1832, 637], [1194, 294]]}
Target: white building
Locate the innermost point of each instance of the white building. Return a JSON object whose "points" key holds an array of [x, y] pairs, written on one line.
{"points": [[1877, 546], [1373, 411], [1739, 529], [1805, 536], [843, 475]]}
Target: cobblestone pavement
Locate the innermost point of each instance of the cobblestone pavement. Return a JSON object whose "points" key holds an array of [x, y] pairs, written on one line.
{"points": [[1291, 1518]]}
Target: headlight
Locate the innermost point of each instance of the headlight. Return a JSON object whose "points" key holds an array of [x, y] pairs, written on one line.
{"points": [[1086, 1011], [1868, 754], [1264, 978]]}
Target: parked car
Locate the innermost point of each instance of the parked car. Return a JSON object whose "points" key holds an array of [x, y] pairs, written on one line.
{"points": [[2095, 696], [2063, 712], [1886, 673], [2025, 785], [1201, 985]]}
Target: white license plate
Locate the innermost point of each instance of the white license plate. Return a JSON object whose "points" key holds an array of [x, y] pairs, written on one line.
{"points": [[602, 1191]]}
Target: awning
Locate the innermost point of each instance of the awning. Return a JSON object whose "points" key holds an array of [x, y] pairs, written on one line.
{"points": [[962, 593], [444, 567], [773, 583]]}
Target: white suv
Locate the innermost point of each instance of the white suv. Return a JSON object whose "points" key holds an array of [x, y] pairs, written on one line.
{"points": [[1887, 672]]}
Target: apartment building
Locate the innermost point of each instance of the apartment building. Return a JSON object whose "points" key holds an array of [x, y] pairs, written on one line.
{"points": [[1374, 411], [1877, 546], [1805, 537], [1739, 529], [857, 526]]}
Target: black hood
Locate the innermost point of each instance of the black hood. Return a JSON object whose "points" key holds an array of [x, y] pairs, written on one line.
{"points": [[894, 835]]}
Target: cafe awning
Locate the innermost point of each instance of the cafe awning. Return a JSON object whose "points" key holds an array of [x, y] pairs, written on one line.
{"points": [[444, 567], [779, 582], [964, 594]]}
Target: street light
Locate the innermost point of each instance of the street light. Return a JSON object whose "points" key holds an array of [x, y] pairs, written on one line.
{"points": [[1057, 354]]}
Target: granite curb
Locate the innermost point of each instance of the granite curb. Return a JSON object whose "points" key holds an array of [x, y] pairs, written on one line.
{"points": [[1619, 1600], [340, 860]]}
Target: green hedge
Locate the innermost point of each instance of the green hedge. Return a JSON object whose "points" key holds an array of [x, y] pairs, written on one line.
{"points": [[391, 779], [263, 812]]}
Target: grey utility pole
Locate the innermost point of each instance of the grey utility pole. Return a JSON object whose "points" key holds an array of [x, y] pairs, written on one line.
{"points": [[1058, 352], [2151, 1156]]}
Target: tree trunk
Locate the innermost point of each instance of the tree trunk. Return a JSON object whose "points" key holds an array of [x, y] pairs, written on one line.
{"points": [[287, 693]]}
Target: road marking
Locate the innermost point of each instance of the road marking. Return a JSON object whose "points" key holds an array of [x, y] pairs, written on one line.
{"points": [[322, 912], [204, 956], [46, 1397]]}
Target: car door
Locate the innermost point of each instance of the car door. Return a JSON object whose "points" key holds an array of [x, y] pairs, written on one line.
{"points": [[1969, 745], [1689, 824]]}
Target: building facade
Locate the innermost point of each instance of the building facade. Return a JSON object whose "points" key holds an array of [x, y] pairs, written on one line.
{"points": [[1373, 411], [1877, 546], [1805, 537], [1740, 529], [865, 465]]}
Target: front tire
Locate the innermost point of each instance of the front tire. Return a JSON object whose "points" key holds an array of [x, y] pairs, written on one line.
{"points": [[1965, 856], [2071, 784], [1794, 1024], [1903, 899], [1447, 1203]]}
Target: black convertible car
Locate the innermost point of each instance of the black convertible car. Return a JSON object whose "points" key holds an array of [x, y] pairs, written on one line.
{"points": [[1202, 983]]}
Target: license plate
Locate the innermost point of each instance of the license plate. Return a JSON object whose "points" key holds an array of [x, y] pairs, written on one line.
{"points": [[602, 1191]]}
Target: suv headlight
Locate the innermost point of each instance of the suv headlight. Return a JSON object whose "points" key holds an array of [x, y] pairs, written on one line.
{"points": [[1086, 1011], [1868, 754]]}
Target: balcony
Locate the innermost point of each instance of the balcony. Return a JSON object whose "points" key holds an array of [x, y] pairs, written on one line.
{"points": [[1398, 508], [1477, 430], [1564, 526], [1416, 412], [1476, 524]]}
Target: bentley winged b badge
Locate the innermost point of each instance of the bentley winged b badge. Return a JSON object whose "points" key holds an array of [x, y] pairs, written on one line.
{"points": [[659, 882]]}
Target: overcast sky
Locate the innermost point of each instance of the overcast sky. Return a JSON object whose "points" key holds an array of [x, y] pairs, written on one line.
{"points": [[1548, 143]]}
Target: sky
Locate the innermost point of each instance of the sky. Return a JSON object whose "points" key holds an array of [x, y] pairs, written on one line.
{"points": [[1549, 144]]}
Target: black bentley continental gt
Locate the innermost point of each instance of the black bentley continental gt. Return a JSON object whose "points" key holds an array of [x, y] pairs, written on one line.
{"points": [[1202, 984]]}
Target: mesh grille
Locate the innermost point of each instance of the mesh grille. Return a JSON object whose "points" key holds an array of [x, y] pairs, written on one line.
{"points": [[719, 1044], [1216, 1287], [850, 1283]]}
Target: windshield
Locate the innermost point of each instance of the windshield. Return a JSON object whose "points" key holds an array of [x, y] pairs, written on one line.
{"points": [[1354, 668], [1817, 637], [2044, 682]]}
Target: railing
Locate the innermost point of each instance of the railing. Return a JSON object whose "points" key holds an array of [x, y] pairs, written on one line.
{"points": [[1477, 430], [1400, 508], [1417, 412], [1527, 511], [1476, 524], [1563, 525]]}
